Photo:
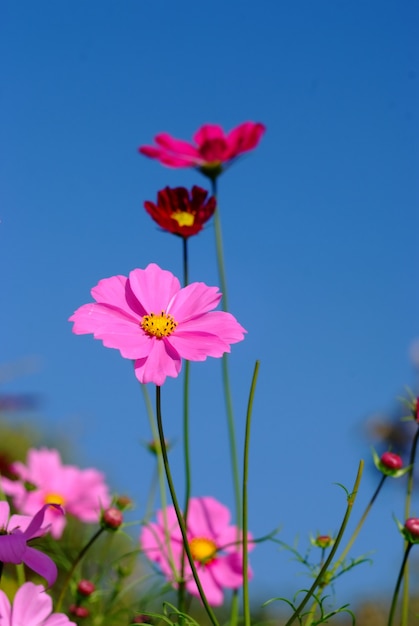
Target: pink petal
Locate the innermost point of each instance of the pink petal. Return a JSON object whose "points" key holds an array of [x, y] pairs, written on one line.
{"points": [[177, 146], [34, 527], [113, 291], [153, 287], [162, 361], [212, 589], [244, 137], [58, 619], [41, 564], [227, 571], [198, 346], [4, 515], [114, 331], [167, 158], [208, 132], [223, 325], [12, 548], [31, 605], [5, 610], [194, 300], [207, 517]]}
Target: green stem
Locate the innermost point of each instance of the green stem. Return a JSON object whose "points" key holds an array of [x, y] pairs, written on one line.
{"points": [[246, 603], [160, 472], [359, 526], [319, 578], [398, 583], [225, 370], [186, 444], [409, 490], [73, 567], [179, 516]]}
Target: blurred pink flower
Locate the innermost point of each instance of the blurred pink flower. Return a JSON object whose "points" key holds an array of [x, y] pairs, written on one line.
{"points": [[31, 607], [148, 317], [81, 493], [213, 544], [213, 147], [14, 535]]}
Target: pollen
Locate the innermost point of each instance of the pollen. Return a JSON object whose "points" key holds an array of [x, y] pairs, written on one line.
{"points": [[202, 549], [54, 498], [158, 326], [183, 218]]}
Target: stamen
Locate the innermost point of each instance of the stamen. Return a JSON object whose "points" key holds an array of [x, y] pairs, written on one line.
{"points": [[158, 326], [202, 549]]}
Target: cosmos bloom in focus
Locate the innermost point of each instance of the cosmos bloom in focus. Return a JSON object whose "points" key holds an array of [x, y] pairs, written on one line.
{"points": [[14, 536], [81, 492], [31, 607], [212, 542], [149, 318], [181, 212], [213, 147]]}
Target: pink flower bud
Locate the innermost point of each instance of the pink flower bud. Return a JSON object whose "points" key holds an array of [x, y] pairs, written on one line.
{"points": [[86, 587], [391, 461], [412, 526], [79, 611], [112, 518]]}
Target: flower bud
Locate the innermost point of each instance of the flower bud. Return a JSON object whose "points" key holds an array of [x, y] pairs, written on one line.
{"points": [[123, 502], [324, 541], [112, 518], [86, 587], [79, 611], [155, 448], [411, 525], [391, 461]]}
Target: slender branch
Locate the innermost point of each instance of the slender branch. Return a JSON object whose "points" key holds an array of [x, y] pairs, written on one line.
{"points": [[319, 578], [246, 603], [179, 516]]}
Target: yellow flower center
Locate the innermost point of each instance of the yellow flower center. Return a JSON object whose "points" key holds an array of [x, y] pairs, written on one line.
{"points": [[54, 498], [158, 325], [202, 550], [183, 218]]}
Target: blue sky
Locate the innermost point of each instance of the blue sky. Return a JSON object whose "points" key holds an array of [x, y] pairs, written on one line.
{"points": [[320, 230]]}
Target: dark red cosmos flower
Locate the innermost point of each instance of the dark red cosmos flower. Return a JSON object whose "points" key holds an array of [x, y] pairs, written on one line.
{"points": [[180, 212], [213, 147]]}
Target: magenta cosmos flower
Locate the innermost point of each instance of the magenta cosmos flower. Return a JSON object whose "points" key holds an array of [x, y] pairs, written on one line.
{"points": [[81, 493], [212, 542], [31, 607], [212, 150], [149, 318], [14, 535]]}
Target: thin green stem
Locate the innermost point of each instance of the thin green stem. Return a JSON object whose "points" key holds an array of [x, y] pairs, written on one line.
{"points": [[409, 490], [160, 473], [179, 516], [73, 567], [398, 583], [358, 526], [225, 370], [323, 571], [186, 444], [246, 603]]}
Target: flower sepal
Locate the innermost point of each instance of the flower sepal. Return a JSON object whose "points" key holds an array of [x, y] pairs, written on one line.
{"points": [[389, 464], [410, 529]]}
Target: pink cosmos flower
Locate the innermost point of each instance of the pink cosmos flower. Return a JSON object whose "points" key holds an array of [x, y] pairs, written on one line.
{"points": [[31, 607], [149, 318], [213, 544], [213, 147], [81, 493], [14, 535]]}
